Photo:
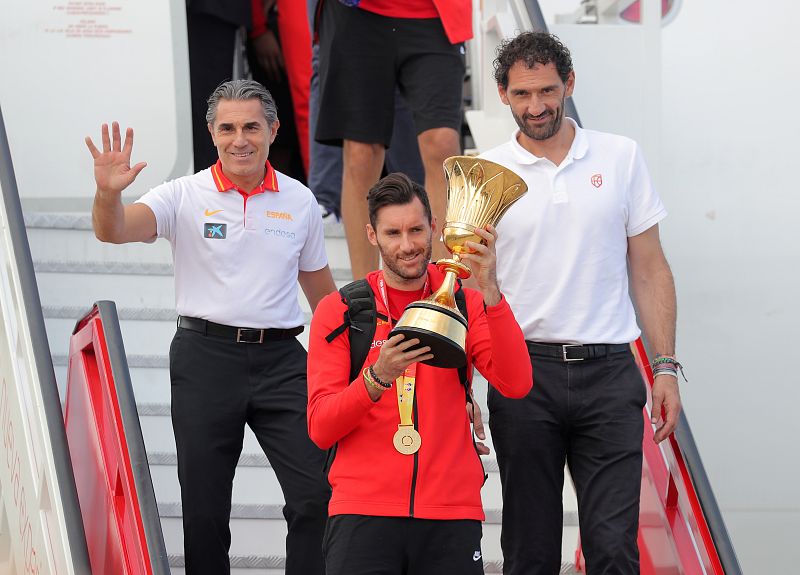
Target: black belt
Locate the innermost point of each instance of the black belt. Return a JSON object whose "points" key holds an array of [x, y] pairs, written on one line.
{"points": [[576, 352], [237, 334]]}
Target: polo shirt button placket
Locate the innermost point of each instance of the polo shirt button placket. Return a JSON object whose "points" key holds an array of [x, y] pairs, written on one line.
{"points": [[559, 190]]}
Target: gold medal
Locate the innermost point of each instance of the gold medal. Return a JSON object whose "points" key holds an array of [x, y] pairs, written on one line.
{"points": [[407, 440]]}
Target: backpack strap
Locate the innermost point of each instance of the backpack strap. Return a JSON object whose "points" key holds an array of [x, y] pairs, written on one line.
{"points": [[361, 317]]}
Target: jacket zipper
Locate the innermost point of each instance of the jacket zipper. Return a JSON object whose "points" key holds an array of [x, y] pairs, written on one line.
{"points": [[416, 467]]}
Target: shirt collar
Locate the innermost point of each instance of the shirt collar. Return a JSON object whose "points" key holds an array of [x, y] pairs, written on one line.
{"points": [[269, 183], [577, 150]]}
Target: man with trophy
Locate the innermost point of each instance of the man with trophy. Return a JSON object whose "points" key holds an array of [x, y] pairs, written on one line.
{"points": [[563, 252], [404, 467]]}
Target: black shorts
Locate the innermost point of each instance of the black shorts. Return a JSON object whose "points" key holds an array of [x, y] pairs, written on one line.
{"points": [[365, 56], [367, 545]]}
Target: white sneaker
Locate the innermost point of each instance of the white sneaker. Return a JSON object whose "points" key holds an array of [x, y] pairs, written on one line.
{"points": [[328, 216]]}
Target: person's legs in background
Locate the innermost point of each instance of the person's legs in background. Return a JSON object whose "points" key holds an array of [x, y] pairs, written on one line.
{"points": [[403, 153], [431, 78], [211, 47], [325, 164]]}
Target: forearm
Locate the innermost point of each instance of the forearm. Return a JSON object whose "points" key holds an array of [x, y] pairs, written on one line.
{"points": [[108, 216], [654, 293], [491, 295]]}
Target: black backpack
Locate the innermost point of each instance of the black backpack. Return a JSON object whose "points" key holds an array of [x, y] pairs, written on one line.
{"points": [[361, 317]]}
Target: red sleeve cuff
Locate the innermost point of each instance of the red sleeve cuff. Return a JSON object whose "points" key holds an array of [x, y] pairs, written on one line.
{"points": [[499, 308]]}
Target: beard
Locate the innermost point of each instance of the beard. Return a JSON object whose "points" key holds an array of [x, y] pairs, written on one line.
{"points": [[545, 131], [392, 263]]}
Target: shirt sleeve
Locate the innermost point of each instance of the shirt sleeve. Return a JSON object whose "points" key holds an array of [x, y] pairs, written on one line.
{"points": [[497, 347], [313, 256], [163, 201], [336, 406], [644, 204]]}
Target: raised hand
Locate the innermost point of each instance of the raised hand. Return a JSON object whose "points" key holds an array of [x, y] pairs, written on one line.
{"points": [[483, 263], [112, 167]]}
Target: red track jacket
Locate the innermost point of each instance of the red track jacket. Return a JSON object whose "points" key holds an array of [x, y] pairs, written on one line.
{"points": [[444, 478]]}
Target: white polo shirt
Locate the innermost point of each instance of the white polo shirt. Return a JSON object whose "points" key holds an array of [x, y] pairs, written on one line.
{"points": [[562, 248], [237, 256]]}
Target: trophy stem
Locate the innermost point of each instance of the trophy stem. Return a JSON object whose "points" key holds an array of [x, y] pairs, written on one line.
{"points": [[444, 295]]}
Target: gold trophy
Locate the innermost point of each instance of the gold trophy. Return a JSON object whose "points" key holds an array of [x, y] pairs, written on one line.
{"points": [[478, 193]]}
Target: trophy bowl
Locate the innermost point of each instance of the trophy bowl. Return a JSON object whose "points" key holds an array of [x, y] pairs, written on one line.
{"points": [[479, 192]]}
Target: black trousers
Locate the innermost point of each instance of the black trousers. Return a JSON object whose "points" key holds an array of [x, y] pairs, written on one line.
{"points": [[369, 545], [589, 414], [218, 387]]}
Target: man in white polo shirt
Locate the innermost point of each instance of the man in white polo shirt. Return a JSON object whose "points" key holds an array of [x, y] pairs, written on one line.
{"points": [[243, 236], [562, 258]]}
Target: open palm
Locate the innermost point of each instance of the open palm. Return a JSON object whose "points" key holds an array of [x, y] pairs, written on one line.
{"points": [[112, 166]]}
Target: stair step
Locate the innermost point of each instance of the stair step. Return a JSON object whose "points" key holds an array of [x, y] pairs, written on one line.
{"points": [[134, 268], [275, 511], [240, 564], [157, 431], [257, 530], [141, 361], [267, 565], [65, 237]]}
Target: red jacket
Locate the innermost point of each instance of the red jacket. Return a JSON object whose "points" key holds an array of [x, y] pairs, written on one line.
{"points": [[443, 479]]}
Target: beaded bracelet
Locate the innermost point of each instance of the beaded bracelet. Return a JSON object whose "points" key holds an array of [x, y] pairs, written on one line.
{"points": [[662, 360], [370, 381], [377, 379]]}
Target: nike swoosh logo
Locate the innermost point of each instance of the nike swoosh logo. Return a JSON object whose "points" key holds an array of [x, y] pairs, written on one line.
{"points": [[212, 212]]}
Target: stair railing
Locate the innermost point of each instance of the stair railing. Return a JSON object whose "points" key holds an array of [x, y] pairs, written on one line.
{"points": [[40, 523], [115, 489]]}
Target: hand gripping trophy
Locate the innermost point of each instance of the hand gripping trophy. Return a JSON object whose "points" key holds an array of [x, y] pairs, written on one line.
{"points": [[479, 192]]}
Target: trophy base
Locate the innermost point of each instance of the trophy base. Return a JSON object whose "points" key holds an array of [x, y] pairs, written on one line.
{"points": [[443, 329]]}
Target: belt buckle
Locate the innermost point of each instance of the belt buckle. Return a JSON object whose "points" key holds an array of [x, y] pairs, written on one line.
{"points": [[564, 352], [244, 330]]}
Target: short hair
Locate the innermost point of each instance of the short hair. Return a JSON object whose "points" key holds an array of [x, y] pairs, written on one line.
{"points": [[395, 189], [242, 90], [531, 48]]}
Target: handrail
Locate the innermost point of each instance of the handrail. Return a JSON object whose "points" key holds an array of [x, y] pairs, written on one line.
{"points": [[102, 421], [133, 432], [705, 494], [685, 516], [78, 558]]}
